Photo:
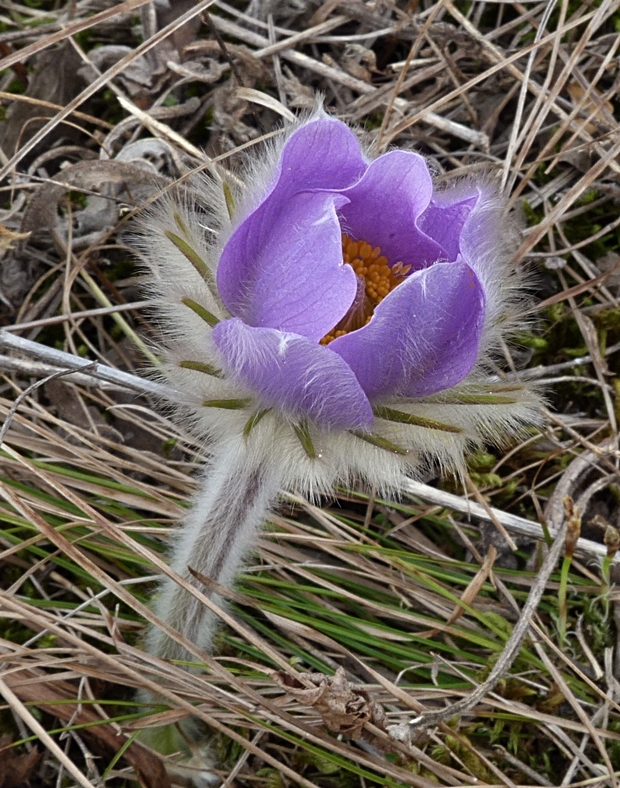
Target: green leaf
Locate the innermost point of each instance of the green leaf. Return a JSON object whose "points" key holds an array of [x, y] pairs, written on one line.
{"points": [[198, 366], [226, 404], [389, 414], [253, 421], [191, 254], [302, 432], [230, 200], [381, 443], [203, 313]]}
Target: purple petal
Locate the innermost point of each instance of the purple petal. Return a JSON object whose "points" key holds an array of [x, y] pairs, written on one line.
{"points": [[266, 252], [385, 205], [444, 219], [297, 281], [292, 373], [321, 154], [422, 338]]}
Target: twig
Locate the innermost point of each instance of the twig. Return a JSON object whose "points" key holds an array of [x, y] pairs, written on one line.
{"points": [[540, 372], [68, 361], [26, 393], [99, 311], [429, 719], [477, 138], [518, 525]]}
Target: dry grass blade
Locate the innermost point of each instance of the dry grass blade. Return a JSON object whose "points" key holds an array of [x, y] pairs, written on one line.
{"points": [[70, 30], [101, 81]]}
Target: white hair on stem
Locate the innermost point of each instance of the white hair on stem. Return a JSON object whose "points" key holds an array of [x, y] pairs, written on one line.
{"points": [[236, 492]]}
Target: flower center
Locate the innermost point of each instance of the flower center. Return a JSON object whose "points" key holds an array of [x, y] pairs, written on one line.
{"points": [[375, 279]]}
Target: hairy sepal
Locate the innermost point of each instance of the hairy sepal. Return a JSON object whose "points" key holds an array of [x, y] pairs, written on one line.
{"points": [[477, 413], [178, 237]]}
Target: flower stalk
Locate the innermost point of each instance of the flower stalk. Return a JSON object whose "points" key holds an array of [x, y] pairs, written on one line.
{"points": [[234, 500]]}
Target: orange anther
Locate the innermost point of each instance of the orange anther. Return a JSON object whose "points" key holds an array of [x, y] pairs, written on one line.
{"points": [[379, 280]]}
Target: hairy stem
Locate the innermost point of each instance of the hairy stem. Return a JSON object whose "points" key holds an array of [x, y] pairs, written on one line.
{"points": [[236, 493]]}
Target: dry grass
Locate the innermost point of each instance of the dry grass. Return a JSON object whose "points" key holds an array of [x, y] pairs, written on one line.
{"points": [[413, 601]]}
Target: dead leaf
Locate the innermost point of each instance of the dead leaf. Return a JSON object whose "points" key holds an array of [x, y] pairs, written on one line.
{"points": [[250, 69], [593, 105], [208, 71], [359, 61], [228, 128], [16, 277], [301, 96], [16, 766], [133, 185], [54, 79], [168, 11], [343, 708], [473, 589], [136, 77]]}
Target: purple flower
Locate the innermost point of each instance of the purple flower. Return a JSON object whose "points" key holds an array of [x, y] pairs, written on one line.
{"points": [[341, 322], [352, 282]]}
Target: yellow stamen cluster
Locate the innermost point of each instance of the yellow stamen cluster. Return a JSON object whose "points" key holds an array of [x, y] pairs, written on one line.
{"points": [[379, 280], [370, 265]]}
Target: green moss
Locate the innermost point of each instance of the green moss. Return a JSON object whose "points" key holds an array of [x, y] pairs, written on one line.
{"points": [[16, 86], [373, 121], [533, 215], [486, 479], [481, 461], [531, 340], [270, 778], [556, 312]]}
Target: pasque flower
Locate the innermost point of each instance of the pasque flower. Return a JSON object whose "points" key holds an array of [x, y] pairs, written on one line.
{"points": [[340, 308], [327, 317]]}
